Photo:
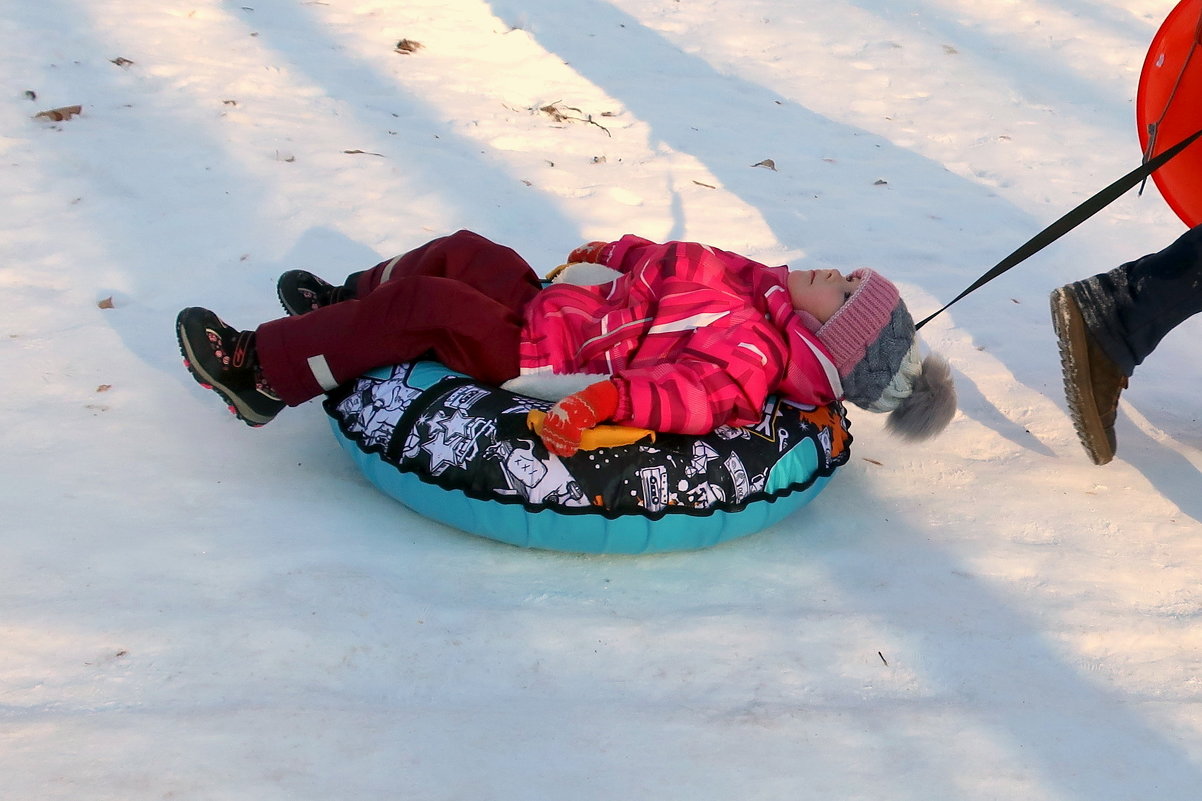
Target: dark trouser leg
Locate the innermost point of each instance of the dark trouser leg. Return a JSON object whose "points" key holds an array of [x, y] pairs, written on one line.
{"points": [[497, 271], [458, 298], [302, 357], [1131, 308]]}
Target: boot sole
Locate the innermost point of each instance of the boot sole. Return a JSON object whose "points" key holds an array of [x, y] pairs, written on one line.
{"points": [[1070, 335], [236, 406], [287, 308]]}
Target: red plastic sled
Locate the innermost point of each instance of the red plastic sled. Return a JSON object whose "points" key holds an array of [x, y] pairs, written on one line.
{"points": [[1169, 102]]}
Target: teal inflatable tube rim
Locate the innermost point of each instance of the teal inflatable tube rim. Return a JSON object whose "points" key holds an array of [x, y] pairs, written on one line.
{"points": [[436, 440]]}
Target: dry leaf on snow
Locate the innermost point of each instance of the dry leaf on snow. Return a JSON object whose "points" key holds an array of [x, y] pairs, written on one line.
{"points": [[552, 111], [59, 114], [556, 112]]}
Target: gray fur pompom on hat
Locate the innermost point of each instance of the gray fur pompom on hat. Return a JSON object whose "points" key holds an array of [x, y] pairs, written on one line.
{"points": [[930, 405]]}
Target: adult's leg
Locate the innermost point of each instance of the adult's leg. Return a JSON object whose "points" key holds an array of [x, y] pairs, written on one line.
{"points": [[1109, 323], [401, 319], [1131, 308]]}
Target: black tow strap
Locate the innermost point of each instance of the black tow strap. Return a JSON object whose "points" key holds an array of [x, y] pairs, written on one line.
{"points": [[1071, 220]]}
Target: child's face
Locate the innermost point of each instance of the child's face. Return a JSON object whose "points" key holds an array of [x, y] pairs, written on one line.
{"points": [[820, 292]]}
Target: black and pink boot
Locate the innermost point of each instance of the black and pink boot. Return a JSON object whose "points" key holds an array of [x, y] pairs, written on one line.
{"points": [[223, 359], [301, 292]]}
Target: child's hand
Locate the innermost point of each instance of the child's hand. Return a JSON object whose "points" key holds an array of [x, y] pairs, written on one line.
{"points": [[567, 420]]}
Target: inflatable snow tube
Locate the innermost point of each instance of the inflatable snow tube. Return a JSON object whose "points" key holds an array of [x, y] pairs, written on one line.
{"points": [[1170, 87], [460, 452]]}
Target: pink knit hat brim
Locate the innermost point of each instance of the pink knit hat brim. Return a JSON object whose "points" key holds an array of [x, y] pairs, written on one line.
{"points": [[858, 322]]}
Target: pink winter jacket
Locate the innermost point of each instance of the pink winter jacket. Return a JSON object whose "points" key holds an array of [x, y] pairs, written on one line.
{"points": [[694, 337]]}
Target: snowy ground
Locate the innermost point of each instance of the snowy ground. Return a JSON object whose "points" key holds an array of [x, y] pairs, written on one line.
{"points": [[191, 609]]}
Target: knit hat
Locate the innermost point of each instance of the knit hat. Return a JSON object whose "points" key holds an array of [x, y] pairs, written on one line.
{"points": [[876, 351]]}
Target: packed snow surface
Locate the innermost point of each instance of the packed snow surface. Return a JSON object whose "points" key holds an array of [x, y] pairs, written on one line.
{"points": [[192, 609]]}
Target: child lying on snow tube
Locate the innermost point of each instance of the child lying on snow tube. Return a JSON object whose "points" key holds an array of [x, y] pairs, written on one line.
{"points": [[686, 339]]}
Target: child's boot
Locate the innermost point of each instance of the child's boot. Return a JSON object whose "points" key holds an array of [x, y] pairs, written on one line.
{"points": [[223, 359], [300, 292]]}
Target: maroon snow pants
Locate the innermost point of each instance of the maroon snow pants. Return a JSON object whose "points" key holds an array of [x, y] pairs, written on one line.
{"points": [[458, 299]]}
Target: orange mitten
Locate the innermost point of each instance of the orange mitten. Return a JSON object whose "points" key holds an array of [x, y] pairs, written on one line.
{"points": [[590, 253], [567, 420]]}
